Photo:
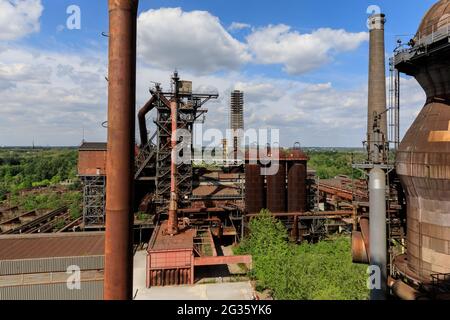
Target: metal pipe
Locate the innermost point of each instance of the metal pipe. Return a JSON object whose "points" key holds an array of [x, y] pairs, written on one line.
{"points": [[377, 90], [142, 123], [118, 281], [172, 224], [377, 229]]}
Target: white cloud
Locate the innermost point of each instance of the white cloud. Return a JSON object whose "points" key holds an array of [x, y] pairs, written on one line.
{"points": [[236, 26], [51, 96], [196, 41], [19, 18], [300, 53]]}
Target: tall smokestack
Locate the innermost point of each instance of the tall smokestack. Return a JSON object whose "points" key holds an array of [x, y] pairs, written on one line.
{"points": [[118, 283], [377, 128]]}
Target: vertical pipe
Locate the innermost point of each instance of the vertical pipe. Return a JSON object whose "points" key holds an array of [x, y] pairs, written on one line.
{"points": [[377, 88], [377, 229], [172, 224], [120, 156]]}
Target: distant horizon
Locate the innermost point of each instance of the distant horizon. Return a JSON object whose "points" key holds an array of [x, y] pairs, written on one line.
{"points": [[77, 146]]}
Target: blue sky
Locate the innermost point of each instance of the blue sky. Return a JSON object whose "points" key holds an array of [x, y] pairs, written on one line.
{"points": [[316, 98]]}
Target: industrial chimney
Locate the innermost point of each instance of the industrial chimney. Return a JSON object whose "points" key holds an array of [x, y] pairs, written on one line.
{"points": [[377, 116], [118, 283]]}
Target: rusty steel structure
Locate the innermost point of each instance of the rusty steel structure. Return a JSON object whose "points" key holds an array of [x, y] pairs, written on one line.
{"points": [[423, 158], [154, 163], [118, 283]]}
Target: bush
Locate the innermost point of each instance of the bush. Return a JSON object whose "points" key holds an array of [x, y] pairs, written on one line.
{"points": [[322, 271]]}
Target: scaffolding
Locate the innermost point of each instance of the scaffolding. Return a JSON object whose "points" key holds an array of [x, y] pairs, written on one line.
{"points": [[394, 105], [94, 195]]}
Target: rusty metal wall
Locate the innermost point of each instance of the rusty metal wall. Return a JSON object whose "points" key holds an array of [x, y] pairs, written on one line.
{"points": [[276, 190], [170, 277], [297, 175], [254, 189]]}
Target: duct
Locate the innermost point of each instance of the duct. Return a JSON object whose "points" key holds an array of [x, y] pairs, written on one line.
{"points": [[118, 282], [377, 228], [142, 123]]}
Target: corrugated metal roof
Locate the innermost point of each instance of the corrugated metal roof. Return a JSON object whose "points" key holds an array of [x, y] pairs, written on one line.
{"points": [[93, 146], [18, 247]]}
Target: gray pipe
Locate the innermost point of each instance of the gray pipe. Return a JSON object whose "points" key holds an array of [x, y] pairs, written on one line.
{"points": [[377, 227]]}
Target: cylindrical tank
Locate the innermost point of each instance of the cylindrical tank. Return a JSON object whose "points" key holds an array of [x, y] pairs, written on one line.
{"points": [[423, 158], [254, 189], [276, 190], [297, 175]]}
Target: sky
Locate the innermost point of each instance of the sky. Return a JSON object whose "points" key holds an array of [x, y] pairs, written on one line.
{"points": [[301, 63]]}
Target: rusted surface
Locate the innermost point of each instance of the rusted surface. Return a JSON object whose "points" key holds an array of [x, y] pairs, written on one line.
{"points": [[254, 189], [294, 154], [276, 190], [297, 198], [359, 252], [435, 19], [222, 260], [162, 241], [120, 156], [423, 160], [170, 257], [205, 191], [19, 247]]}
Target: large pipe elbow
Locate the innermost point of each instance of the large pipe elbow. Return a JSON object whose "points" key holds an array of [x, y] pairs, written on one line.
{"points": [[141, 119]]}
